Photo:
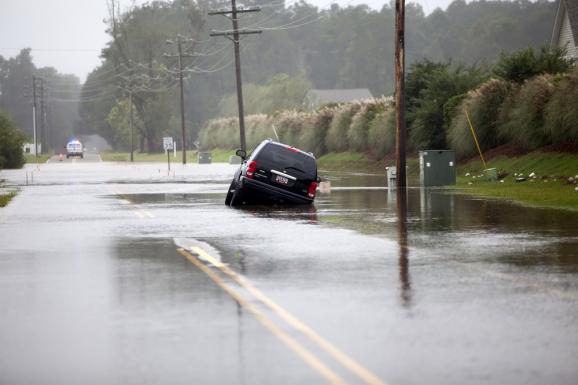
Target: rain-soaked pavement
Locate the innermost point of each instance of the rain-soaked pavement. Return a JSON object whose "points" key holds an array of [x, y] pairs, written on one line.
{"points": [[121, 274]]}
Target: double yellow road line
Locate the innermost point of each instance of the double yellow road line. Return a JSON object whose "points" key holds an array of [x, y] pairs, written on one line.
{"points": [[305, 354]]}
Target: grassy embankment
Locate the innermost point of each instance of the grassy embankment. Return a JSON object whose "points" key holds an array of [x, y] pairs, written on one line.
{"points": [[549, 187], [218, 156]]}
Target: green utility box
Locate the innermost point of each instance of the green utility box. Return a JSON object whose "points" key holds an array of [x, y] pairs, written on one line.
{"points": [[204, 158], [437, 167]]}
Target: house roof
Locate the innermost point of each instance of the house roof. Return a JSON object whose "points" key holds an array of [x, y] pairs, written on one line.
{"points": [[572, 8], [339, 95]]}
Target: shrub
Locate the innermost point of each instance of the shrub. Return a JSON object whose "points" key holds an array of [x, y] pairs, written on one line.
{"points": [[521, 121], [428, 127], [483, 105], [11, 142], [525, 64]]}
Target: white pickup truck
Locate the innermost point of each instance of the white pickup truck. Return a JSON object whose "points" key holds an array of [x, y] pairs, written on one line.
{"points": [[74, 148]]}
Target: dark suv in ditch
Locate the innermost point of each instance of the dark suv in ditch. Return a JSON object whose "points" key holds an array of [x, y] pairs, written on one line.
{"points": [[274, 172]]}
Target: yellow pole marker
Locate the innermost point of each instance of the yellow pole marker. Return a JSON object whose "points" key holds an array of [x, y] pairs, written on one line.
{"points": [[475, 138], [353, 366], [291, 343]]}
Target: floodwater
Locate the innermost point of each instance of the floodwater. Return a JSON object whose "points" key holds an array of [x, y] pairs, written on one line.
{"points": [[432, 287]]}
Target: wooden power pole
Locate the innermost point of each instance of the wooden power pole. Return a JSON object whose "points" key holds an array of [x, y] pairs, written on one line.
{"points": [[234, 35], [180, 40], [42, 119], [400, 129], [34, 116]]}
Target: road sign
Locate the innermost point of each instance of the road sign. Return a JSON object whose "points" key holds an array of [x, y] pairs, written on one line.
{"points": [[168, 143]]}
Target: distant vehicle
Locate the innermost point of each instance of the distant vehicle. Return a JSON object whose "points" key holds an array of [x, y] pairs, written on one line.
{"points": [[74, 148], [204, 158], [274, 172]]}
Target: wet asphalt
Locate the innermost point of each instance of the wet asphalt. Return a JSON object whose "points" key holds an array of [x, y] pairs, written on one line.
{"points": [[112, 273]]}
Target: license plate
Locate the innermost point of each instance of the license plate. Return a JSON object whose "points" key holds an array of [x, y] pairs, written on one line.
{"points": [[281, 179]]}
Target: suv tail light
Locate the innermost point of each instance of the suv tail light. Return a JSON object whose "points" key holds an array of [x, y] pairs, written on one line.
{"points": [[251, 168], [312, 190]]}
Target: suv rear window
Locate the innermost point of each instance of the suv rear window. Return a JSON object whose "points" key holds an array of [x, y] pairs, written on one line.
{"points": [[273, 156]]}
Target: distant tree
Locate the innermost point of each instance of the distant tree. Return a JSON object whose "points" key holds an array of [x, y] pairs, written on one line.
{"points": [[281, 92], [11, 141]]}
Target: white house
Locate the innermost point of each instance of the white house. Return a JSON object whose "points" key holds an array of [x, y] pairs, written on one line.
{"points": [[565, 32], [30, 149]]}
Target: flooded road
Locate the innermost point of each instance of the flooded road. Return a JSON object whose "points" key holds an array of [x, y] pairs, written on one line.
{"points": [[121, 274]]}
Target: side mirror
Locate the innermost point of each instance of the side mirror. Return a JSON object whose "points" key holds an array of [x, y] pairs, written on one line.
{"points": [[241, 154]]}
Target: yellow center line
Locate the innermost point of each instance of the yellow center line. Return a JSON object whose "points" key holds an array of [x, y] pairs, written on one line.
{"points": [[289, 341], [346, 361]]}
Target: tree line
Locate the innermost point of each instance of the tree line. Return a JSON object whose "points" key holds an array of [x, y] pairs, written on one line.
{"points": [[57, 106], [340, 47], [301, 47]]}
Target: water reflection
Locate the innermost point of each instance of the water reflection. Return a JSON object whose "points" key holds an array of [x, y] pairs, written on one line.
{"points": [[306, 213], [402, 238]]}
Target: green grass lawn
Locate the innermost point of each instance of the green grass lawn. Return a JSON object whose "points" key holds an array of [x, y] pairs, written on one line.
{"points": [[548, 188], [218, 156]]}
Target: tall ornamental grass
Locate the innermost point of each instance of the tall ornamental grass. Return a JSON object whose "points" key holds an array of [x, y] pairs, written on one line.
{"points": [[483, 105], [336, 140], [561, 121], [358, 132], [521, 121], [381, 136]]}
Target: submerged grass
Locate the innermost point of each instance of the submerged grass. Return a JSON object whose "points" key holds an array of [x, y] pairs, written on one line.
{"points": [[40, 159], [5, 198]]}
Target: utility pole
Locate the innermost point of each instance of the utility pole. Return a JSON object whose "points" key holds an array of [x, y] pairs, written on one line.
{"points": [[180, 40], [34, 116], [400, 129], [130, 88], [130, 124], [42, 118], [235, 33]]}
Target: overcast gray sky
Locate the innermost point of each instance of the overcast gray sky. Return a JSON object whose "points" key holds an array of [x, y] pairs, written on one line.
{"points": [[46, 25]]}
